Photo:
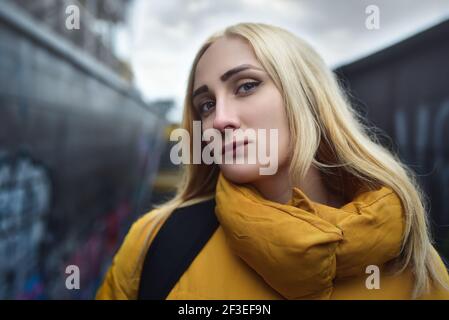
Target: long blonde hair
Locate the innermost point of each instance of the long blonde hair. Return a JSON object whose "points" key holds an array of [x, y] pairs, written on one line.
{"points": [[338, 143]]}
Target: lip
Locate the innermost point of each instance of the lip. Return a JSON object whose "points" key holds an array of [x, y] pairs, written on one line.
{"points": [[233, 145]]}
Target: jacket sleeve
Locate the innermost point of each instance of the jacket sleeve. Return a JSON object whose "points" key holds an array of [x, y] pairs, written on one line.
{"points": [[121, 281]]}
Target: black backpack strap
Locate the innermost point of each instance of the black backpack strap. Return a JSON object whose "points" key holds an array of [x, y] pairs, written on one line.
{"points": [[179, 240]]}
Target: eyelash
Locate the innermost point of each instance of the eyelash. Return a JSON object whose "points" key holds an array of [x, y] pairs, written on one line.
{"points": [[255, 83]]}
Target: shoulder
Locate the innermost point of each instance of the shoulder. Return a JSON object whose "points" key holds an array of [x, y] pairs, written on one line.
{"points": [[122, 279], [144, 230]]}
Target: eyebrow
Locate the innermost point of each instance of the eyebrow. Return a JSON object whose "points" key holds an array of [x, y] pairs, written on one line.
{"points": [[225, 77]]}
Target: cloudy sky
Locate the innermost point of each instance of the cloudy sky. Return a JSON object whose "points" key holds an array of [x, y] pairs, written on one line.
{"points": [[161, 37]]}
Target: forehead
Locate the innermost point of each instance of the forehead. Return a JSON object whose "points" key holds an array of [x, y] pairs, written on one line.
{"points": [[222, 55]]}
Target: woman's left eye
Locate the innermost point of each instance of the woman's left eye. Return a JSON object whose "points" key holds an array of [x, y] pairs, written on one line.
{"points": [[248, 86]]}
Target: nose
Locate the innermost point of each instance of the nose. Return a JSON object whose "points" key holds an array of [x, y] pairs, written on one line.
{"points": [[225, 117]]}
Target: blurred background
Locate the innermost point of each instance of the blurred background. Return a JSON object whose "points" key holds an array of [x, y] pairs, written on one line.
{"points": [[90, 91]]}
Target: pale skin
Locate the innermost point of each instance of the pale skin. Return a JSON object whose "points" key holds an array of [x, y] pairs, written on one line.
{"points": [[247, 98]]}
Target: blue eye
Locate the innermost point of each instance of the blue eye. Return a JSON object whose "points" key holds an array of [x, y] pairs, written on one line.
{"points": [[203, 108], [248, 86]]}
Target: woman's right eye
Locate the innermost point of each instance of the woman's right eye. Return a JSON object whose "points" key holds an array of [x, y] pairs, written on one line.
{"points": [[205, 107]]}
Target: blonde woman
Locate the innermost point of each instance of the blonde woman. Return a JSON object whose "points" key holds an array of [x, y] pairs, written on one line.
{"points": [[341, 218]]}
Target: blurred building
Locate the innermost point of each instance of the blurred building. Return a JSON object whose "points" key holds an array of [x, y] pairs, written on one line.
{"points": [[79, 151], [95, 36]]}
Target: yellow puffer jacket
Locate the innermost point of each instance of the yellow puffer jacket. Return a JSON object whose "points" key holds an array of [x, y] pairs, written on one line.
{"points": [[267, 250]]}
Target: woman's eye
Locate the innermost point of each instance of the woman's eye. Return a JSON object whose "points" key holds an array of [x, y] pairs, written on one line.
{"points": [[205, 107], [247, 87]]}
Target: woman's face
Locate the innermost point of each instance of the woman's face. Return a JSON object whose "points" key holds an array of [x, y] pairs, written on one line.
{"points": [[232, 91]]}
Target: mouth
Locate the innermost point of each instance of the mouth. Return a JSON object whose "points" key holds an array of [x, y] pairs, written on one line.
{"points": [[233, 146]]}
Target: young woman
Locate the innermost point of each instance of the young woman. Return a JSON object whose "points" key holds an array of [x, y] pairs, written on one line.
{"points": [[341, 218]]}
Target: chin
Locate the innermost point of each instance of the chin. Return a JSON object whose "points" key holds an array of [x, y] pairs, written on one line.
{"points": [[240, 173]]}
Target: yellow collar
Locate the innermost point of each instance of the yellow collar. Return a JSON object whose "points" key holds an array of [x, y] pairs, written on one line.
{"points": [[299, 248]]}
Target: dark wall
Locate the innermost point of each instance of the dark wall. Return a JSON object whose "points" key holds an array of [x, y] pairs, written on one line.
{"points": [[404, 90], [77, 157]]}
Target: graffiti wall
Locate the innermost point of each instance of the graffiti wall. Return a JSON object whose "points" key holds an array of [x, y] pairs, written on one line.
{"points": [[78, 153], [404, 90]]}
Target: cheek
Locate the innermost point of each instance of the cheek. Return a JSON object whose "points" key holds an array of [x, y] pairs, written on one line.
{"points": [[267, 112], [284, 137], [284, 146], [275, 117], [264, 110], [207, 123]]}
